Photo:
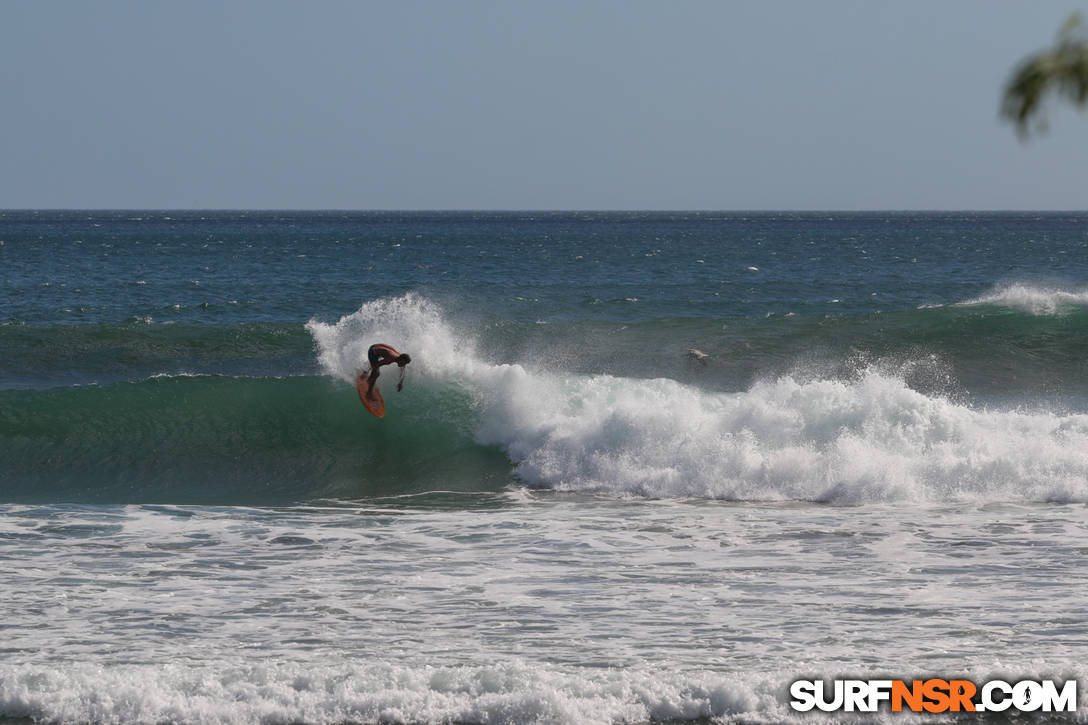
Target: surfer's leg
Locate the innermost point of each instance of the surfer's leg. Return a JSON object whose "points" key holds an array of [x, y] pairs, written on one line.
{"points": [[373, 357]]}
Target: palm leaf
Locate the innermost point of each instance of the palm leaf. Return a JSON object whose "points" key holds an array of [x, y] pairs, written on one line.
{"points": [[1061, 70]]}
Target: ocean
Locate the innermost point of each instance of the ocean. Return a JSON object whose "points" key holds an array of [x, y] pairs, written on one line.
{"points": [[645, 466]]}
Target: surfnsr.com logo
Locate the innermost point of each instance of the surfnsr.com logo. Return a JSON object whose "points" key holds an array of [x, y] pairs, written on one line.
{"points": [[934, 695]]}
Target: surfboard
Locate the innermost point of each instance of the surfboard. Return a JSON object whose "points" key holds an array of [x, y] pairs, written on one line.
{"points": [[374, 404]]}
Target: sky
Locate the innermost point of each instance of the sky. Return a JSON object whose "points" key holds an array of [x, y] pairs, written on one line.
{"points": [[557, 104]]}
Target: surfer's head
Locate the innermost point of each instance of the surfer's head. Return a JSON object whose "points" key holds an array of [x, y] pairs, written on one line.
{"points": [[404, 359]]}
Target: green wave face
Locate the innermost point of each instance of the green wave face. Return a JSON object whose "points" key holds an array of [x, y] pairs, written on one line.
{"points": [[240, 441]]}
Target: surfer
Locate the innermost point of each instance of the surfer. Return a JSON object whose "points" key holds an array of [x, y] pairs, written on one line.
{"points": [[382, 354], [697, 355]]}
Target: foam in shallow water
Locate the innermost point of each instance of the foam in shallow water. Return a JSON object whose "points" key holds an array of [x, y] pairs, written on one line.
{"points": [[553, 609], [383, 692], [376, 692]]}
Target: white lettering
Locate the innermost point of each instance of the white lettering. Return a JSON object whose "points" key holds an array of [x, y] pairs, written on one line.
{"points": [[829, 705], [879, 691], [855, 695], [803, 693], [1064, 701], [989, 704]]}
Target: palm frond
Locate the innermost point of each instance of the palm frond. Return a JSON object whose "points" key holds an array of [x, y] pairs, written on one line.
{"points": [[1061, 70]]}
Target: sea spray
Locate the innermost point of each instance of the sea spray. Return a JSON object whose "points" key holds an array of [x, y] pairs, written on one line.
{"points": [[1035, 299], [411, 323]]}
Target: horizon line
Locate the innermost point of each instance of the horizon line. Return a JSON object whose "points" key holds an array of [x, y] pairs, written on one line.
{"points": [[556, 210]]}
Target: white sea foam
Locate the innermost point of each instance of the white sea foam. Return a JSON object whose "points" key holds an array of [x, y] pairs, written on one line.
{"points": [[560, 609], [375, 692], [869, 439], [390, 693], [1035, 299]]}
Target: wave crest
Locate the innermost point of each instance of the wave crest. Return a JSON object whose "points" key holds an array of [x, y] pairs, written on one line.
{"points": [[1038, 300], [411, 323]]}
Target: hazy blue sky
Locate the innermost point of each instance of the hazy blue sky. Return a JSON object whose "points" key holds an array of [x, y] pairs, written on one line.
{"points": [[556, 104]]}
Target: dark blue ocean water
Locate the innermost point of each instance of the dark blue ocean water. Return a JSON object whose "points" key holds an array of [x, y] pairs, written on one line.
{"points": [[247, 267]]}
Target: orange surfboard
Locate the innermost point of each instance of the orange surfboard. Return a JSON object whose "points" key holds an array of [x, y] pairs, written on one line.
{"points": [[374, 404]]}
